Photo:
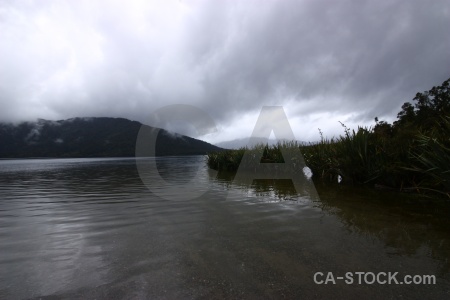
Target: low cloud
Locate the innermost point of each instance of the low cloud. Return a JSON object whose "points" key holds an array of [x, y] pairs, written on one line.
{"points": [[323, 61]]}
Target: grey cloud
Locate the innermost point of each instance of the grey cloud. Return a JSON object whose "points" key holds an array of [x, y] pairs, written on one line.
{"points": [[370, 56], [352, 58]]}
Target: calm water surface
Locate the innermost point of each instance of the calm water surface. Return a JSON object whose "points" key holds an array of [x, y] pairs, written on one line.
{"points": [[90, 229]]}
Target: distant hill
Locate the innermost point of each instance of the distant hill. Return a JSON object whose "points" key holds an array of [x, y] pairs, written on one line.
{"points": [[249, 142], [89, 137]]}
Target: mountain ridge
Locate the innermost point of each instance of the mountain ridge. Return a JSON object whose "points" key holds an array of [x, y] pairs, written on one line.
{"points": [[251, 142], [90, 137]]}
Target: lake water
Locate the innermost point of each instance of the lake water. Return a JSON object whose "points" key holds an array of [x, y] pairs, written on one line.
{"points": [[91, 229]]}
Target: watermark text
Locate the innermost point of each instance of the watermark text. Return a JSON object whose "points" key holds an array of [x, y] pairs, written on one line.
{"points": [[372, 278]]}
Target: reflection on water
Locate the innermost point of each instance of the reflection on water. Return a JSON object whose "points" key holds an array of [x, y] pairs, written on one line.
{"points": [[268, 189], [90, 228], [406, 224]]}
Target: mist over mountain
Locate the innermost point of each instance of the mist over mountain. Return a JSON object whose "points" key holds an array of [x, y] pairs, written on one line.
{"points": [[250, 142], [89, 137]]}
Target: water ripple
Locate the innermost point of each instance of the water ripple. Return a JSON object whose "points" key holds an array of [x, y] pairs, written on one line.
{"points": [[90, 228]]}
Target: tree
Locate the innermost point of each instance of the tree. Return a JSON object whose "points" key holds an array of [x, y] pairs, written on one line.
{"points": [[382, 129], [429, 108], [406, 115], [437, 99]]}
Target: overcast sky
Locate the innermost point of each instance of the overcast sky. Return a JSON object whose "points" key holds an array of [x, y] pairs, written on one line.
{"points": [[324, 61]]}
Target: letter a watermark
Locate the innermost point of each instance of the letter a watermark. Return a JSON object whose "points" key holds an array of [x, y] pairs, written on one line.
{"points": [[273, 118]]}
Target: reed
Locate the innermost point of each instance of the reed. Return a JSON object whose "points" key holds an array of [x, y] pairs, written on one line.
{"points": [[413, 153], [431, 158], [361, 156]]}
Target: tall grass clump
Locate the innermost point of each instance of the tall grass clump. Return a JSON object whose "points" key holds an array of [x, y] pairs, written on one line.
{"points": [[231, 160], [228, 160], [431, 158], [322, 158], [355, 157]]}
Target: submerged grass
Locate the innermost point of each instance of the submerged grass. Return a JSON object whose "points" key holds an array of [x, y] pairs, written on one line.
{"points": [[231, 160]]}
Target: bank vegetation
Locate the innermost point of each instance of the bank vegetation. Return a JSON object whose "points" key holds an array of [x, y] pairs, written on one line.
{"points": [[412, 154]]}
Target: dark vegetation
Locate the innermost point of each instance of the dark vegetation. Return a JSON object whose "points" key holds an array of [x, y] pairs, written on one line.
{"points": [[412, 154], [88, 137]]}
